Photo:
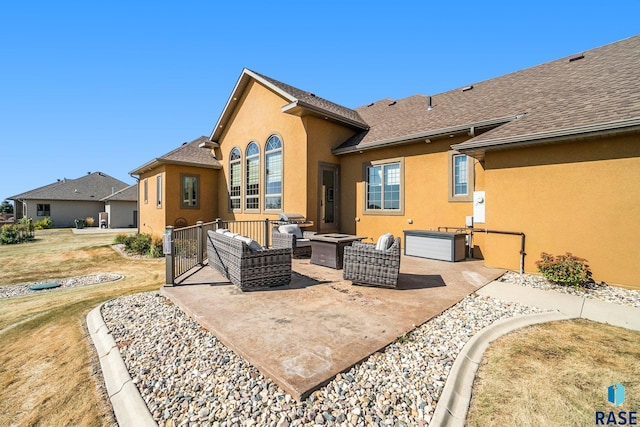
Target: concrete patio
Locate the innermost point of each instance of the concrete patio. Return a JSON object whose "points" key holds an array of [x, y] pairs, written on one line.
{"points": [[303, 334]]}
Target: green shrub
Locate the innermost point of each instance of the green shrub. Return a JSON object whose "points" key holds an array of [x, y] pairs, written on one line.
{"points": [[43, 224], [564, 269], [155, 251], [9, 234], [141, 244], [121, 239], [17, 233]]}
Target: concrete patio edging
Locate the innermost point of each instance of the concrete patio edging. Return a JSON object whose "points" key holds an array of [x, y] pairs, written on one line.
{"points": [[128, 406], [453, 404]]}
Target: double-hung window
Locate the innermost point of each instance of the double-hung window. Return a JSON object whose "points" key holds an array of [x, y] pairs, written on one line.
{"points": [[384, 187], [190, 191], [252, 186], [235, 178], [273, 173]]}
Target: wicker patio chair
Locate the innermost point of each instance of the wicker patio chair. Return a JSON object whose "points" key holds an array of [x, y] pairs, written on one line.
{"points": [[365, 265], [290, 236], [246, 268]]}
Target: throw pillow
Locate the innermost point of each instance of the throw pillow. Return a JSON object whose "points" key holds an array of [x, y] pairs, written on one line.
{"points": [[291, 229], [384, 242], [252, 244]]}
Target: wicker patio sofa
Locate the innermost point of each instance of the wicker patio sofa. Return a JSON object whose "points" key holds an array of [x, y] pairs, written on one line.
{"points": [[248, 268], [290, 236], [363, 264]]}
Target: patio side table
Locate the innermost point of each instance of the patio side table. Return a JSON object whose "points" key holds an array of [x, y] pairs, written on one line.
{"points": [[328, 249]]}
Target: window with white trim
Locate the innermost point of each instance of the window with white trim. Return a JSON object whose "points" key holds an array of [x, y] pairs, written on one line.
{"points": [[252, 184], [235, 178], [384, 187], [273, 173]]}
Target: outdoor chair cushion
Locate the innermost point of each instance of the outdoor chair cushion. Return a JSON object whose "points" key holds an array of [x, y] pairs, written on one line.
{"points": [[291, 229], [229, 234], [384, 242], [252, 244], [222, 230], [303, 242]]}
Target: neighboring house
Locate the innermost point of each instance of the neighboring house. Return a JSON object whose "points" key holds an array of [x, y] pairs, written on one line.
{"points": [[178, 188], [552, 152], [68, 199], [121, 208]]}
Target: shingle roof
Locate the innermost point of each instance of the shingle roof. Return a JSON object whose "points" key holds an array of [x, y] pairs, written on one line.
{"points": [[189, 153], [91, 187], [321, 104], [127, 194], [599, 89], [300, 102]]}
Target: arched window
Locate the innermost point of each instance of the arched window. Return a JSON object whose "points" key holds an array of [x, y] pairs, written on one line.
{"points": [[273, 173], [235, 178], [252, 184]]}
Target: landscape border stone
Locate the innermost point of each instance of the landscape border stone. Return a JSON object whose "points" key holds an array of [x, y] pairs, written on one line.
{"points": [[128, 406]]}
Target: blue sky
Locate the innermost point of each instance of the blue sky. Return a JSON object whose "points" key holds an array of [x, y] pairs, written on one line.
{"points": [[108, 86]]}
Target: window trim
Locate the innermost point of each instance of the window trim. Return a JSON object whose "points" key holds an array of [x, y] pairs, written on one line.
{"points": [[452, 197], [248, 196], [281, 194], [365, 180], [146, 191], [183, 176], [239, 196]]}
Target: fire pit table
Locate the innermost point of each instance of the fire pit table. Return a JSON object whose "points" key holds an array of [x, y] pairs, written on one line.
{"points": [[327, 249]]}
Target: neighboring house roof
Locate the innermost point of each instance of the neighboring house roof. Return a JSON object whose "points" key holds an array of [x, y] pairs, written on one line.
{"points": [[188, 154], [300, 103], [127, 194], [593, 92], [91, 187]]}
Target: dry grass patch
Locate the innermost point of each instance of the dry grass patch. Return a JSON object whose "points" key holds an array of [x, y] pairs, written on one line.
{"points": [[555, 374], [47, 362]]}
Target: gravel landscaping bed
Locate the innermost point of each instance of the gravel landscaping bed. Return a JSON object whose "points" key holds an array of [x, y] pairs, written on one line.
{"points": [[187, 377], [9, 291], [599, 291]]}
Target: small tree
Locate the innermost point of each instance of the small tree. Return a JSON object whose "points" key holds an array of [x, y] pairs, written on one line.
{"points": [[6, 207]]}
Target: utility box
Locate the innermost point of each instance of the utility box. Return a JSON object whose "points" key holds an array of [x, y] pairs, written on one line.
{"points": [[435, 245]]}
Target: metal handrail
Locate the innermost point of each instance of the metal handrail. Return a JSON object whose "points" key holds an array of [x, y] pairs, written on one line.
{"points": [[186, 247]]}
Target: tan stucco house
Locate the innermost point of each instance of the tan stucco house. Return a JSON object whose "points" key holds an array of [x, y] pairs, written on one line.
{"points": [[178, 188], [68, 199], [551, 152]]}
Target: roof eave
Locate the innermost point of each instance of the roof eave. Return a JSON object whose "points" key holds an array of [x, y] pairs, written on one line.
{"points": [[298, 108], [412, 138], [477, 149], [157, 162]]}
